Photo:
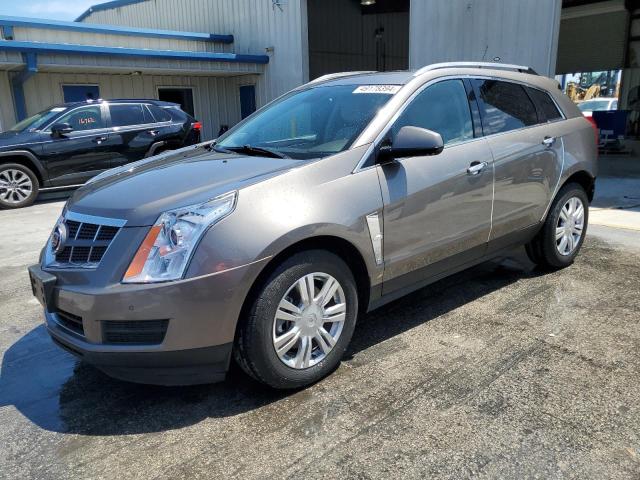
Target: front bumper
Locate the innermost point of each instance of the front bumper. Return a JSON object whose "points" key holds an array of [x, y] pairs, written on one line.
{"points": [[199, 316]]}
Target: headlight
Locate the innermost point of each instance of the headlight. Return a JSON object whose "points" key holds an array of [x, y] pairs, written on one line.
{"points": [[167, 248]]}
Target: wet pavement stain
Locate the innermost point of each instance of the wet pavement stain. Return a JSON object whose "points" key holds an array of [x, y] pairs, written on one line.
{"points": [[500, 371]]}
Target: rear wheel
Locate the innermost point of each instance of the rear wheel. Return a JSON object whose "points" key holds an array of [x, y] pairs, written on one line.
{"points": [[562, 235], [300, 321], [18, 186]]}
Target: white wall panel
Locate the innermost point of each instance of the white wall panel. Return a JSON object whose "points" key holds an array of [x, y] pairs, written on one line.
{"points": [[523, 32], [7, 116], [255, 24]]}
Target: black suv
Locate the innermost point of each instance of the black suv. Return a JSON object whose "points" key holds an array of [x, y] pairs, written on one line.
{"points": [[66, 145]]}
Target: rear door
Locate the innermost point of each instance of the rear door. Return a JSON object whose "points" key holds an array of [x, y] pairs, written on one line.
{"points": [[437, 210], [73, 158], [133, 132], [527, 155]]}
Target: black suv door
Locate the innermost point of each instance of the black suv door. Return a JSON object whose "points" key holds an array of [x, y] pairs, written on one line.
{"points": [[74, 157], [135, 133]]}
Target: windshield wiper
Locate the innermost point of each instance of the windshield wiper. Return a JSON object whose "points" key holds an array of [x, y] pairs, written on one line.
{"points": [[251, 150]]}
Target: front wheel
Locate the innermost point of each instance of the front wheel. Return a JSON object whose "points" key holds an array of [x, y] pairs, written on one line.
{"points": [[18, 186], [559, 241], [300, 321]]}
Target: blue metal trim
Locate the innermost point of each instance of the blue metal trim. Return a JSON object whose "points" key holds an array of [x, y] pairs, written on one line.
{"points": [[17, 84], [67, 49], [106, 6], [10, 22]]}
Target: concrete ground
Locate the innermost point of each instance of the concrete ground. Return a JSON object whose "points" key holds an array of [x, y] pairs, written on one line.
{"points": [[501, 371]]}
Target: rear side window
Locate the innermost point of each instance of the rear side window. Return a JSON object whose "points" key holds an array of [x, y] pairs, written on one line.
{"points": [[545, 104], [159, 114], [129, 114], [442, 107], [505, 106]]}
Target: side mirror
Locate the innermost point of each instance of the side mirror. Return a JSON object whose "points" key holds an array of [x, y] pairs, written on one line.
{"points": [[413, 142], [60, 129]]}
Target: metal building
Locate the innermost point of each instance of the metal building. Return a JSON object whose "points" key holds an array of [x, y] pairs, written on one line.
{"points": [[223, 58]]}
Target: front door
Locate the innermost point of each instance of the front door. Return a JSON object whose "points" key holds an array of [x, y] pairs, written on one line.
{"points": [[75, 157], [437, 209]]}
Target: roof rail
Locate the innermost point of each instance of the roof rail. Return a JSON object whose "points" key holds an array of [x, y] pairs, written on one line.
{"points": [[492, 65], [332, 76]]}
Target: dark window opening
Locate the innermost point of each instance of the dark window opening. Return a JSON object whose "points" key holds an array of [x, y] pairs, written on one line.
{"points": [[181, 96], [247, 100], [80, 93]]}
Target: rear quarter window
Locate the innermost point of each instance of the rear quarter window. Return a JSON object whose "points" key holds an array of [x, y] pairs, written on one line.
{"points": [[505, 106], [159, 114], [545, 104]]}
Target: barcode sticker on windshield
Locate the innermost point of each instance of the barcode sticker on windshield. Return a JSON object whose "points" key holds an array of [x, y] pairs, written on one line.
{"points": [[388, 89]]}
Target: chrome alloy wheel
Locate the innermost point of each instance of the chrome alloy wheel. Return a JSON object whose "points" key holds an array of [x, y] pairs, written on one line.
{"points": [[570, 226], [309, 320], [15, 186]]}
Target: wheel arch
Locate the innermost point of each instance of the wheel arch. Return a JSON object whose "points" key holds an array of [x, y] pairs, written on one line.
{"points": [[585, 179], [26, 159], [340, 247]]}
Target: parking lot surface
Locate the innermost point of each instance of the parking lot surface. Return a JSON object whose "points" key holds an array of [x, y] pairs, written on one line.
{"points": [[500, 371]]}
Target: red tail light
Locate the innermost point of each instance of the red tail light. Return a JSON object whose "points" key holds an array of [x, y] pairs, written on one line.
{"points": [[595, 129], [197, 126]]}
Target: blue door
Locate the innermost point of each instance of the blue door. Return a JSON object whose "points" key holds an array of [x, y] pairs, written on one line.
{"points": [[247, 100], [80, 93]]}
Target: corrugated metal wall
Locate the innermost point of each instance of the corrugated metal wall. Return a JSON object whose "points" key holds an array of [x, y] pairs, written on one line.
{"points": [[7, 116], [341, 38], [517, 31], [255, 24], [216, 98]]}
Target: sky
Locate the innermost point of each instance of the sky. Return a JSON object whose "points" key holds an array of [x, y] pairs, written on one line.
{"points": [[54, 9]]}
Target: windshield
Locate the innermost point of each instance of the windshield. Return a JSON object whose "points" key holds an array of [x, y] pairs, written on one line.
{"points": [[38, 120], [594, 105], [311, 123]]}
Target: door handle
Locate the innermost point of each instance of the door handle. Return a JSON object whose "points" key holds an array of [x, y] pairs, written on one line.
{"points": [[549, 141], [476, 168], [99, 140]]}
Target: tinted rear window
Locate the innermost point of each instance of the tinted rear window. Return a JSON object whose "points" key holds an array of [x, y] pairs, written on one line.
{"points": [[159, 114], [505, 106], [545, 104], [131, 114]]}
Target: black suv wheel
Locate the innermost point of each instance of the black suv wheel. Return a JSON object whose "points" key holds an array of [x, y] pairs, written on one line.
{"points": [[18, 186]]}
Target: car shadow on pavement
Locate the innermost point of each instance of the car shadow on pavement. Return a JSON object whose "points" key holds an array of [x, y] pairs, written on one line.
{"points": [[57, 393]]}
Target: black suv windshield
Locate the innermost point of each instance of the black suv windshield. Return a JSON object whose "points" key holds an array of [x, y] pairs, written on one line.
{"points": [[311, 123], [38, 120]]}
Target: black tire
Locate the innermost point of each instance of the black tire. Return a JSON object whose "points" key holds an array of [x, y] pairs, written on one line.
{"points": [[10, 200], [543, 249], [254, 349]]}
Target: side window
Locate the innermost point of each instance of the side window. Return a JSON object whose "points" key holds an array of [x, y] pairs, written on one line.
{"points": [[85, 118], [126, 114], [159, 114], [443, 108], [545, 104], [505, 106]]}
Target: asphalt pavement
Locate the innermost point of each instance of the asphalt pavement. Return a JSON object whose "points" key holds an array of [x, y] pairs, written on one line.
{"points": [[502, 371]]}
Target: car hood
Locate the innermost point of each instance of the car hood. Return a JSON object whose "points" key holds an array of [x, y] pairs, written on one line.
{"points": [[10, 139], [140, 192]]}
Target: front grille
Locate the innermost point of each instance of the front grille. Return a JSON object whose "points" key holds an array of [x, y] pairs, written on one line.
{"points": [[86, 243], [70, 321], [142, 332]]}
